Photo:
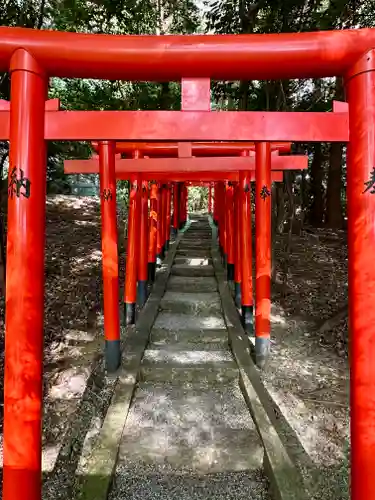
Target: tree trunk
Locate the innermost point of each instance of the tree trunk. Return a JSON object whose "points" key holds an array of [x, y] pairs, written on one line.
{"points": [[280, 210], [334, 216], [317, 174]]}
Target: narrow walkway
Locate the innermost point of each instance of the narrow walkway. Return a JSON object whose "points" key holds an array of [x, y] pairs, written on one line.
{"points": [[189, 434]]}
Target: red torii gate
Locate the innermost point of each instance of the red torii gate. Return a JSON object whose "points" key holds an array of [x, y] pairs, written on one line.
{"points": [[31, 56], [168, 170]]}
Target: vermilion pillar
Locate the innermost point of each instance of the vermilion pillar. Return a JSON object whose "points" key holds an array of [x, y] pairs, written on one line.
{"points": [[132, 252], [25, 281], [159, 232], [221, 216], [263, 252], [182, 215], [215, 211], [143, 247], [183, 199], [361, 241], [237, 246], [186, 203], [152, 232], [168, 217], [163, 218], [107, 177], [175, 207], [229, 214], [247, 305], [225, 225]]}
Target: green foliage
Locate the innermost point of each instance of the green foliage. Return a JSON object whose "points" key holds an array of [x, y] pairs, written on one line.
{"points": [[197, 198], [106, 16]]}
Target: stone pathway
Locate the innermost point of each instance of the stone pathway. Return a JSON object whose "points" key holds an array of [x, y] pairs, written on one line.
{"points": [[189, 434]]}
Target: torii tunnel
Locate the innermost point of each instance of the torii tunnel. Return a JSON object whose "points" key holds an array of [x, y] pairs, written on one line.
{"points": [[33, 56], [185, 169]]}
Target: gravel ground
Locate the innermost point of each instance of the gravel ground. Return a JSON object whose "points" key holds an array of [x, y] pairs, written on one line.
{"points": [[147, 484], [308, 373], [75, 397]]}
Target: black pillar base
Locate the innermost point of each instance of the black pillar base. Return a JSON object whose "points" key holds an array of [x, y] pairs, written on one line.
{"points": [[151, 271], [230, 272], [142, 293], [112, 355], [174, 231], [129, 313], [237, 294], [247, 316], [225, 259], [167, 245], [262, 351]]}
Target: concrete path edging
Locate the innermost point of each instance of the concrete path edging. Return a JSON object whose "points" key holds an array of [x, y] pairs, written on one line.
{"points": [[285, 478], [96, 482]]}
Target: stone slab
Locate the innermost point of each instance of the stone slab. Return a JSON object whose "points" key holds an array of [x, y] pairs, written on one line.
{"points": [[187, 270], [191, 303], [198, 261], [199, 448], [186, 405], [171, 321], [192, 284], [161, 336], [193, 252]]}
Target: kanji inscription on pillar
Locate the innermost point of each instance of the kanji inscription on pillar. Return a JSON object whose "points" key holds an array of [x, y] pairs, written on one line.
{"points": [[19, 185], [264, 192], [107, 194], [370, 184]]}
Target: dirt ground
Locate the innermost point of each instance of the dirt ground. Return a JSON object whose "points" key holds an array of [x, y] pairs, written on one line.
{"points": [[73, 319], [308, 372]]}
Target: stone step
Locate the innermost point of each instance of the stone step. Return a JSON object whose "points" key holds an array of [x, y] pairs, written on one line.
{"points": [[189, 303], [194, 284], [225, 372], [198, 235], [161, 336], [200, 261], [194, 243], [200, 448], [196, 253], [175, 322], [176, 365], [186, 405], [186, 270], [197, 349]]}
